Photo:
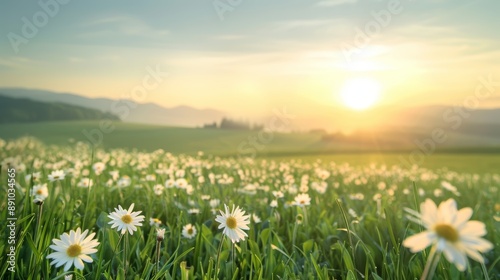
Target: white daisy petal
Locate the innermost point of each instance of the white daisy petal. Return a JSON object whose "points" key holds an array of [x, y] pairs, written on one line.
{"points": [[475, 255], [455, 256], [126, 220], [447, 211], [72, 249], [462, 216], [418, 242], [476, 243], [473, 228], [451, 232], [68, 265], [233, 223], [428, 209]]}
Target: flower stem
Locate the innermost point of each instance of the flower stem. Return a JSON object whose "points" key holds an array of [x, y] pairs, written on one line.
{"points": [[125, 259], [114, 250], [38, 222], [218, 256], [294, 236], [437, 257], [305, 215], [232, 257], [485, 272], [427, 274], [158, 248]]}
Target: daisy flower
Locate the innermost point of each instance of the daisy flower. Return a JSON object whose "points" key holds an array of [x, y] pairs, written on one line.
{"points": [[73, 249], [114, 174], [85, 183], [450, 231], [36, 176], [181, 183], [302, 199], [201, 179], [98, 167], [40, 191], [155, 221], [189, 231], [170, 183], [214, 203], [160, 234], [125, 220], [56, 175], [256, 219], [274, 203], [158, 189], [233, 223], [124, 181]]}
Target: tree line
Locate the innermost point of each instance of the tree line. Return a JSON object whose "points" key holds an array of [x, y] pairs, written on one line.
{"points": [[22, 110]]}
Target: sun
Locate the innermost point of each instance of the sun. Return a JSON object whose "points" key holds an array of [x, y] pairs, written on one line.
{"points": [[360, 93]]}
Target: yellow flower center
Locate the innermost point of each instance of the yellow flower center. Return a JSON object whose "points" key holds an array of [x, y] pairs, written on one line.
{"points": [[127, 218], [302, 202], [231, 222], [190, 231], [39, 191], [447, 232], [74, 250]]}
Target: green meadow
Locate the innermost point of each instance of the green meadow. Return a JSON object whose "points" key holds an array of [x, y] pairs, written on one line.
{"points": [[351, 226], [227, 143]]}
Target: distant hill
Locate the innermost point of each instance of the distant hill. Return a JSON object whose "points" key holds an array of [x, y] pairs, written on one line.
{"points": [[147, 113], [392, 120], [22, 110]]}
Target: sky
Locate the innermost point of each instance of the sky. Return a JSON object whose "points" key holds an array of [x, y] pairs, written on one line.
{"points": [[248, 57]]}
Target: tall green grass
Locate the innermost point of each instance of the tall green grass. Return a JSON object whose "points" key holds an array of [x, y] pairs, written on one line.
{"points": [[332, 243]]}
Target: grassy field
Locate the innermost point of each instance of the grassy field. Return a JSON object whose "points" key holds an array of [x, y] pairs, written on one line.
{"points": [[233, 143], [150, 137], [472, 162], [351, 225]]}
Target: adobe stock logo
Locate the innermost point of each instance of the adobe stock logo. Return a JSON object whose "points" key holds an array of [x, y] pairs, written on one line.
{"points": [[279, 122], [223, 6], [122, 108], [453, 118], [380, 19], [31, 27]]}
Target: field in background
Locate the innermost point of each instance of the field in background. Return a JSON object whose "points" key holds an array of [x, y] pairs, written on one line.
{"points": [[151, 137], [304, 146]]}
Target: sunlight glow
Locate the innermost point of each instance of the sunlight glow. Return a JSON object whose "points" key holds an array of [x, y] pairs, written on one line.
{"points": [[360, 93]]}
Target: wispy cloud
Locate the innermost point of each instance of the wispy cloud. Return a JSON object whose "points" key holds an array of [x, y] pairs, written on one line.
{"points": [[294, 24], [332, 3], [16, 62], [120, 25], [229, 37], [108, 20]]}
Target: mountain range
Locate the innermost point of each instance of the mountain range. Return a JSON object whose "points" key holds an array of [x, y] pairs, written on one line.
{"points": [[127, 110], [385, 126], [382, 128], [23, 110]]}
